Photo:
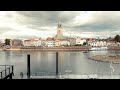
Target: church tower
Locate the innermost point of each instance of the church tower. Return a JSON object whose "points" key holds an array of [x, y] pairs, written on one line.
{"points": [[59, 31]]}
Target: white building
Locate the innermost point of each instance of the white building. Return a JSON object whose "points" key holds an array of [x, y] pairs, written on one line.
{"points": [[33, 42], [98, 43], [39, 42], [50, 42], [111, 43], [80, 41], [72, 41], [64, 42], [57, 43], [27, 43]]}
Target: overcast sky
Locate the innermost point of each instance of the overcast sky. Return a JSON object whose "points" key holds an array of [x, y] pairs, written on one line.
{"points": [[36, 24]]}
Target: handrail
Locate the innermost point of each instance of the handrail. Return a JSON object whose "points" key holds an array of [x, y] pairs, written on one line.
{"points": [[5, 69], [6, 65], [10, 68]]}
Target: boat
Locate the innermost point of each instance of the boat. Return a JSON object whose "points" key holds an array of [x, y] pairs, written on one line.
{"points": [[98, 48], [85, 51]]}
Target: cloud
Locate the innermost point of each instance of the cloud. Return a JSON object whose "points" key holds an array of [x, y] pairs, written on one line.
{"points": [[33, 24]]}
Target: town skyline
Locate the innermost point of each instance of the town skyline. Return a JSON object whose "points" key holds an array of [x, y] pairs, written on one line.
{"points": [[43, 24]]}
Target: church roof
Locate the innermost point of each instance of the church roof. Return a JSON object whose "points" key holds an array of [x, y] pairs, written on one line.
{"points": [[49, 39]]}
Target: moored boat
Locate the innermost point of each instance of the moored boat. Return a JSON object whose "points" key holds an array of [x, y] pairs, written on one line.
{"points": [[98, 48]]}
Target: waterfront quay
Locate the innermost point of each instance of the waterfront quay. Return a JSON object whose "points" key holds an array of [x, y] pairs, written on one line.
{"points": [[62, 48], [67, 48]]}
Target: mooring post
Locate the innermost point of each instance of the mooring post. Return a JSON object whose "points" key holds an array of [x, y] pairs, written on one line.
{"points": [[56, 63], [13, 70], [28, 66]]}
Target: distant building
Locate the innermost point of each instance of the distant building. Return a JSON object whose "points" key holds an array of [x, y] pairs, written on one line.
{"points": [[57, 43], [43, 43], [59, 32], [89, 41], [64, 42], [1, 44], [80, 41], [98, 43], [39, 42], [16, 42], [72, 41], [27, 42], [33, 42], [50, 42], [112, 43]]}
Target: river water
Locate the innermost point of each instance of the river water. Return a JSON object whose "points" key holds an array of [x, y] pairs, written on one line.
{"points": [[69, 62]]}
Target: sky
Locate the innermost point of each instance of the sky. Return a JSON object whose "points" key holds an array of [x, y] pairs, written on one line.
{"points": [[43, 24]]}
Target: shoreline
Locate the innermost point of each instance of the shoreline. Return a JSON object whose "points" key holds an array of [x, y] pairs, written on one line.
{"points": [[106, 58], [45, 50], [69, 48], [49, 49]]}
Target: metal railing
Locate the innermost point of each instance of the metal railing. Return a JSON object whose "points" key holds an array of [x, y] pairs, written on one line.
{"points": [[48, 75], [8, 69]]}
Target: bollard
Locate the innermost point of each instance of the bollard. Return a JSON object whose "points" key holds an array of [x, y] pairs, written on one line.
{"points": [[28, 66], [13, 70], [56, 63]]}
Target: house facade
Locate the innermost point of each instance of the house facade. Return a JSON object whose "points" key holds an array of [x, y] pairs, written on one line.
{"points": [[72, 41], [33, 42], [50, 42], [80, 41], [16, 42]]}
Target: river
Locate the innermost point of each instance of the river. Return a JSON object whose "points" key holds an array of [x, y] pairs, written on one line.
{"points": [[45, 61]]}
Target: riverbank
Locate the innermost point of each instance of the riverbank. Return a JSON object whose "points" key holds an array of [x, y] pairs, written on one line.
{"points": [[67, 48], [106, 58], [113, 47], [72, 48]]}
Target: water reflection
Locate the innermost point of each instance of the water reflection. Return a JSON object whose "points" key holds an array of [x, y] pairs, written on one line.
{"points": [[69, 62]]}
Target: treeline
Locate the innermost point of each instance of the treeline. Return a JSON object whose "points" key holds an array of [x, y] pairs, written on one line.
{"points": [[117, 38], [7, 41]]}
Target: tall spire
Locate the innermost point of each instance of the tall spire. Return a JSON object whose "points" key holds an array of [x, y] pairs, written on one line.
{"points": [[59, 25], [58, 22]]}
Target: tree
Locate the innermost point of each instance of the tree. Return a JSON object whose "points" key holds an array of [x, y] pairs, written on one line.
{"points": [[7, 41], [117, 38], [84, 43]]}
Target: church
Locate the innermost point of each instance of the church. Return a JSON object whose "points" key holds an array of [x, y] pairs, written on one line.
{"points": [[59, 32]]}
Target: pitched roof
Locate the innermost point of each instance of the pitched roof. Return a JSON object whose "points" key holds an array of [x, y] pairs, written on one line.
{"points": [[50, 39]]}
